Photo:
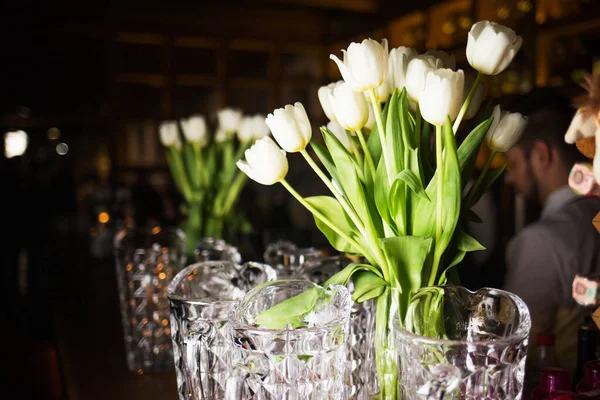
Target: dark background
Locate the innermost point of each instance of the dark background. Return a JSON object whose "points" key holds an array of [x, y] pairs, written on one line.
{"points": [[104, 74]]}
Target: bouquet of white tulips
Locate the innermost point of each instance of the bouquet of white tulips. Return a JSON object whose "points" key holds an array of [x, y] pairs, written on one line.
{"points": [[394, 170], [203, 169]]}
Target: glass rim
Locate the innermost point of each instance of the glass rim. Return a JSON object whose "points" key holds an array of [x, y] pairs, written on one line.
{"points": [[123, 232], [340, 320], [185, 272], [500, 342]]}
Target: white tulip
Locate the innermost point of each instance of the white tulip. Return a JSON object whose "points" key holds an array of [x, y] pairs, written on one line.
{"points": [[505, 131], [221, 136], [265, 162], [477, 98], [229, 119], [447, 60], [169, 134], [370, 124], [350, 107], [340, 133], [194, 129], [383, 91], [323, 94], [416, 73], [245, 131], [398, 65], [442, 95], [583, 125], [491, 47], [290, 127], [252, 127], [365, 64]]}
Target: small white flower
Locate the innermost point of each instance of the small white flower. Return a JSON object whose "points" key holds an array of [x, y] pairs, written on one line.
{"points": [[265, 162], [365, 64], [505, 131], [245, 131], [398, 65], [323, 94], [169, 134], [350, 107], [447, 60], [416, 73], [582, 126], [491, 47], [340, 133], [477, 96], [290, 127], [442, 95], [221, 136], [229, 119], [370, 124], [194, 129]]}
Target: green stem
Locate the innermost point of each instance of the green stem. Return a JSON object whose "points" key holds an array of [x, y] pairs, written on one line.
{"points": [[180, 171], [381, 131], [439, 207], [234, 191], [347, 207], [465, 105], [323, 218], [354, 150], [385, 362], [418, 123], [199, 164], [365, 149], [477, 184]]}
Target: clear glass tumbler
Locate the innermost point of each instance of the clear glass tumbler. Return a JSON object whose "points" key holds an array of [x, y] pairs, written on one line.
{"points": [[288, 259], [308, 361], [201, 297], [458, 344], [362, 380], [147, 258]]}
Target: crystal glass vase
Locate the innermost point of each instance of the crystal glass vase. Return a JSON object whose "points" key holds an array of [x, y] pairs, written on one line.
{"points": [[147, 258], [306, 362], [362, 381], [288, 259], [214, 249], [458, 344], [201, 297]]}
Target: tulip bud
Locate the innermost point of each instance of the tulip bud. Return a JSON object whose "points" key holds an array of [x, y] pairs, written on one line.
{"points": [[350, 107], [416, 73], [265, 162], [446, 60], [365, 64], [261, 129], [505, 131], [477, 98], [323, 94], [442, 95], [491, 47], [370, 124], [169, 134], [340, 133], [290, 127], [245, 132], [221, 136], [583, 125], [229, 119], [398, 65], [194, 129]]}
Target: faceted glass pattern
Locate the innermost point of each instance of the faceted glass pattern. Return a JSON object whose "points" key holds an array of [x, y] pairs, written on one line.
{"points": [[287, 258], [213, 249], [481, 353], [303, 363], [146, 260], [362, 379], [201, 297]]}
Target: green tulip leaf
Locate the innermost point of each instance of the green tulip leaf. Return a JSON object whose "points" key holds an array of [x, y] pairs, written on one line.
{"points": [[332, 210], [413, 181], [367, 285], [489, 179], [325, 158], [466, 242], [471, 216]]}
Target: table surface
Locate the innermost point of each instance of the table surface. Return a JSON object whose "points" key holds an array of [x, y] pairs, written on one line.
{"points": [[89, 340]]}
